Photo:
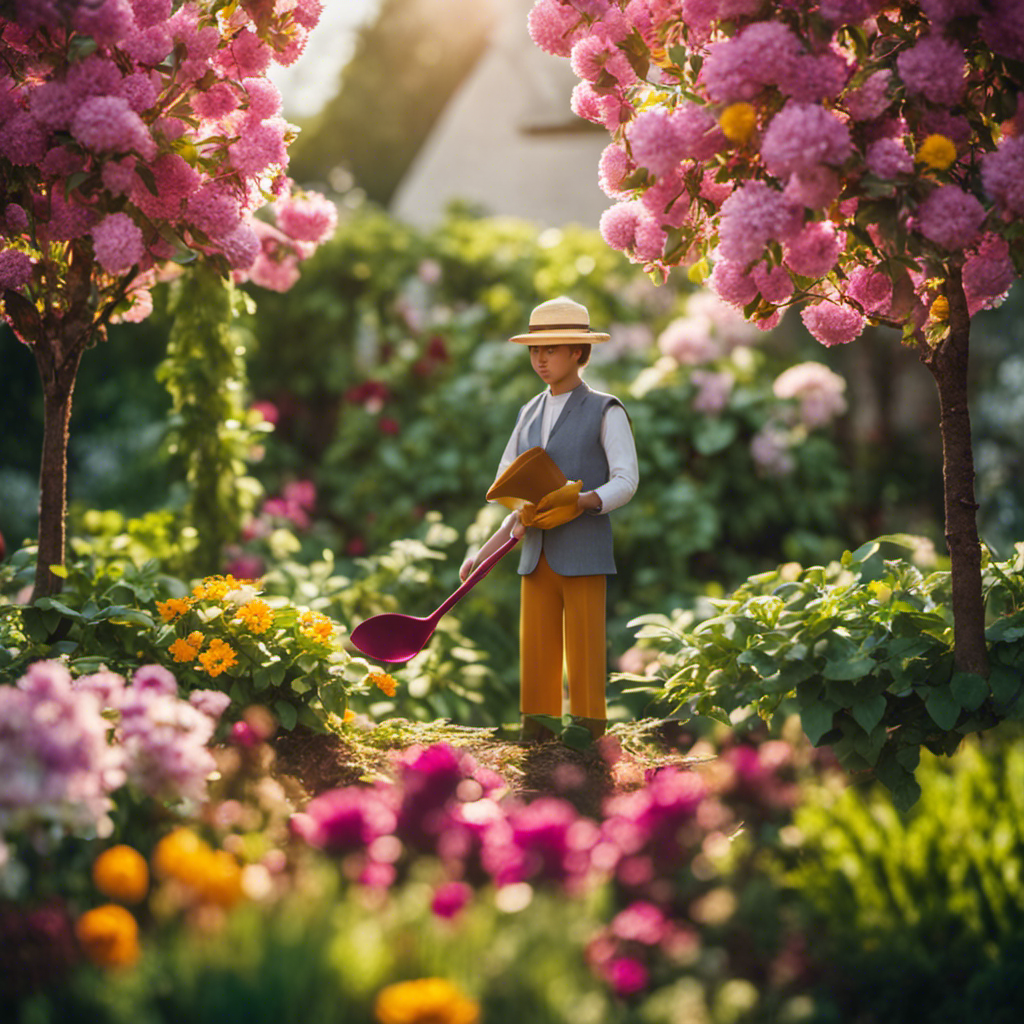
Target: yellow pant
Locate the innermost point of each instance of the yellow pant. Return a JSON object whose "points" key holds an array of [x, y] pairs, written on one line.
{"points": [[562, 614]]}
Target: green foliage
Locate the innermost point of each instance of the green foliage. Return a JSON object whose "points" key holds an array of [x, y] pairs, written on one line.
{"points": [[862, 648], [212, 432], [218, 634], [407, 63], [920, 917]]}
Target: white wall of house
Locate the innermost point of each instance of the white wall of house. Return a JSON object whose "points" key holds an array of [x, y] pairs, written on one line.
{"points": [[508, 141]]}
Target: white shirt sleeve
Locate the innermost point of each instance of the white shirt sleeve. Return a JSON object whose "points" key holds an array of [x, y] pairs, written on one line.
{"points": [[620, 450]]}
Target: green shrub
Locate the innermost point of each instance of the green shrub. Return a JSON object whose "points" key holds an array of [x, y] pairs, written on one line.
{"points": [[920, 917], [863, 648]]}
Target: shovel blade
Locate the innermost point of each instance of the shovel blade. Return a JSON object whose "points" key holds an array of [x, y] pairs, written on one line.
{"points": [[392, 637]]}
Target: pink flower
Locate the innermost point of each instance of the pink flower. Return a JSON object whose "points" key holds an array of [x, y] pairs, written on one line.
{"points": [[53, 104], [802, 136], [1002, 28], [240, 247], [941, 11], [260, 147], [307, 13], [832, 324], [606, 109], [618, 225], [278, 275], [1002, 174], [246, 57], [108, 124], [813, 252], [871, 99], [871, 289], [216, 102], [450, 898], [108, 22], [118, 176], [214, 210], [811, 79], [732, 284], [141, 91], [769, 448], [615, 166], [667, 200], [713, 391], [848, 12], [117, 242], [15, 269], [151, 12], [818, 390], [149, 46], [950, 217], [595, 56], [688, 340], [934, 68], [759, 55], [68, 219], [751, 217], [627, 976], [816, 189], [310, 218], [22, 139], [175, 180], [888, 158], [141, 306], [15, 219], [988, 273], [264, 98], [775, 285]]}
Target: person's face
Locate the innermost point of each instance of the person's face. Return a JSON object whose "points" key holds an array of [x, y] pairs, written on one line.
{"points": [[555, 364]]}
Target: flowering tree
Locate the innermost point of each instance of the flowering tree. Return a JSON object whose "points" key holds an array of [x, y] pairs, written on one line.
{"points": [[136, 135], [862, 157]]}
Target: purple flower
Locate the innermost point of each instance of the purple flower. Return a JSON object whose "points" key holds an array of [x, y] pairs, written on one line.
{"points": [[15, 269], [752, 216], [950, 217], [934, 68], [1002, 174], [450, 898], [345, 820], [801, 137], [155, 678], [888, 158], [211, 702]]}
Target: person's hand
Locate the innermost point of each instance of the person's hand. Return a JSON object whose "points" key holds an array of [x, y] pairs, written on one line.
{"points": [[466, 568], [517, 527], [588, 501]]}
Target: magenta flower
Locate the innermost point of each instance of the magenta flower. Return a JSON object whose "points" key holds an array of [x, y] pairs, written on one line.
{"points": [[888, 158], [934, 68], [344, 820], [450, 898], [1002, 174], [118, 244], [311, 218], [988, 273], [732, 284], [627, 976], [15, 269], [832, 324], [871, 99], [642, 921], [950, 217], [870, 288], [814, 252]]}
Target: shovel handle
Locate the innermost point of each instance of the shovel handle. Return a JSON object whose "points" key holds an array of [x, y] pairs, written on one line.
{"points": [[477, 575]]}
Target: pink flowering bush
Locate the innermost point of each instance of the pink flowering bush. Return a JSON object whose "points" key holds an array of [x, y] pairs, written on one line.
{"points": [[857, 141], [134, 136]]}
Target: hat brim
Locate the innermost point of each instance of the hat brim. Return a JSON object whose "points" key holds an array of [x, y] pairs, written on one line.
{"points": [[560, 338]]}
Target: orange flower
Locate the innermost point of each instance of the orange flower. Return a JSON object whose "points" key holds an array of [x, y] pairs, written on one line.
{"points": [[425, 1001], [215, 876], [177, 849], [185, 649], [256, 615], [173, 608], [109, 936], [122, 874], [384, 681], [317, 627], [218, 657]]}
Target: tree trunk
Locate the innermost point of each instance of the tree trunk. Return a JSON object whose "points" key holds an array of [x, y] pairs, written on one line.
{"points": [[58, 368], [948, 363]]}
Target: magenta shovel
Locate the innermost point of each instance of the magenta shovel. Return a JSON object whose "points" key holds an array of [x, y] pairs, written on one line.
{"points": [[396, 637]]}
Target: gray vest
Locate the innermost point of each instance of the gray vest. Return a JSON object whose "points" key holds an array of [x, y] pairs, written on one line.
{"points": [[582, 547]]}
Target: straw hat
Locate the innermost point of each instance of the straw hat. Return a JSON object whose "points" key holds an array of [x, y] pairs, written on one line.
{"points": [[560, 322]]}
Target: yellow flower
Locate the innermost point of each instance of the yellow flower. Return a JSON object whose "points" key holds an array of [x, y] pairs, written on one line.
{"points": [[213, 588], [350, 715], [173, 608], [217, 657], [939, 312], [215, 876], [185, 650], [738, 121], [384, 681], [122, 874], [316, 626], [256, 615], [109, 936], [936, 152], [425, 1001]]}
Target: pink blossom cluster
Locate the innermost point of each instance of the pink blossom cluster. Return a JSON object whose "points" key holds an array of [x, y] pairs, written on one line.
{"points": [[68, 745], [816, 388], [146, 158], [814, 141]]}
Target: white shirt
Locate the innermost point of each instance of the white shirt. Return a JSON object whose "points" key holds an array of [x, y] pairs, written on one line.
{"points": [[616, 439]]}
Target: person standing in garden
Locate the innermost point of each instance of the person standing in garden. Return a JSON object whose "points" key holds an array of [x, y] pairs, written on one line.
{"points": [[564, 569]]}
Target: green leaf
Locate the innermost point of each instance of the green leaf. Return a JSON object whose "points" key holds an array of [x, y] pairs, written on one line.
{"points": [[1005, 683], [817, 720], [577, 737], [763, 664], [906, 793], [286, 714], [969, 689], [942, 707], [869, 712], [713, 434], [849, 668], [50, 603]]}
